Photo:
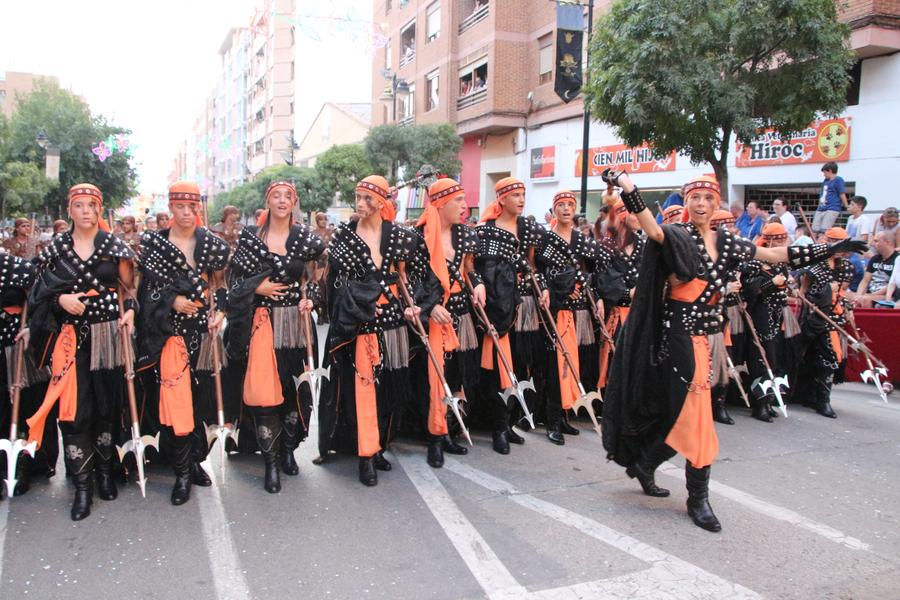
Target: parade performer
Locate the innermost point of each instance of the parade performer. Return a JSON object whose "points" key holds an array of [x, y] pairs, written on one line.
{"points": [[368, 342], [229, 228], [178, 266], [24, 241], [658, 400], [451, 330], [506, 242], [265, 308], [129, 234], [823, 284], [568, 259], [766, 292], [16, 278], [75, 322], [617, 284]]}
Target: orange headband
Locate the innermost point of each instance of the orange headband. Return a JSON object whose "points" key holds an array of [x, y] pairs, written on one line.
{"points": [[186, 191], [562, 196], [264, 215], [772, 232], [93, 193], [837, 234], [504, 187], [379, 186]]}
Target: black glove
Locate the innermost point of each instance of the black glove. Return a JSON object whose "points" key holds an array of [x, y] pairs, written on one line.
{"points": [[611, 176], [858, 246]]}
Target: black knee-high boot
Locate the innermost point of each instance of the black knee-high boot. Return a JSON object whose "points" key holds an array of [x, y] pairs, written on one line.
{"points": [[645, 468], [698, 498], [268, 438], [823, 383], [290, 439], [103, 444], [79, 456], [199, 451], [181, 463]]}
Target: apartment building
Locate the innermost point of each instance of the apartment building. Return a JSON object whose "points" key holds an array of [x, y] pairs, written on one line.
{"points": [[14, 82], [487, 66], [335, 123]]}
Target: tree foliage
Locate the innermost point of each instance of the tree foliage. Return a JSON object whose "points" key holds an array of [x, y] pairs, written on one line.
{"points": [[391, 148], [249, 197], [686, 74], [67, 122], [339, 169]]}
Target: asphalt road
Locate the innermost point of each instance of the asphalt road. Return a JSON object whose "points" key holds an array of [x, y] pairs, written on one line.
{"points": [[810, 508]]}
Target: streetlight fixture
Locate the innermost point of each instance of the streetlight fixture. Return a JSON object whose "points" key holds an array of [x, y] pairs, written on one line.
{"points": [[397, 86]]}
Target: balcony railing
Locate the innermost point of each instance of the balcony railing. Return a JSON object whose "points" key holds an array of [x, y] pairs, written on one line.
{"points": [[470, 99], [406, 120], [407, 58], [475, 18]]}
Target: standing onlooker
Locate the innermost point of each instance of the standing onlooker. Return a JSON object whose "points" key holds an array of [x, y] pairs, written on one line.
{"points": [[888, 222], [150, 224], [162, 221], [780, 206], [750, 223], [859, 225], [60, 226], [832, 201], [873, 286]]}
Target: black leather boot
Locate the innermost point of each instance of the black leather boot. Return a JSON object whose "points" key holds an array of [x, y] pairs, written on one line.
{"points": [[268, 438], [451, 447], [182, 463], [23, 468], [290, 439], [761, 409], [435, 451], [79, 456], [720, 413], [555, 435], [513, 437], [645, 469], [106, 484], [368, 476], [823, 396], [199, 450], [566, 427], [698, 498], [501, 441], [381, 463]]}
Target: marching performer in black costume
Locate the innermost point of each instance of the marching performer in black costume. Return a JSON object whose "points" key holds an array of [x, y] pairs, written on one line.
{"points": [[176, 331], [265, 336], [824, 285], [766, 291], [568, 260], [368, 340], [75, 322], [506, 243], [658, 401]]}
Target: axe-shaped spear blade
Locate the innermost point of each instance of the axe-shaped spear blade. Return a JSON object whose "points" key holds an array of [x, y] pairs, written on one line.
{"points": [[138, 443], [312, 375], [517, 387], [735, 374], [15, 446], [773, 383], [449, 399], [585, 400], [874, 373]]}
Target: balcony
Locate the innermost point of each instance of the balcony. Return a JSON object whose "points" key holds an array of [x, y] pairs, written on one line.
{"points": [[480, 10], [408, 56], [407, 120], [471, 98]]}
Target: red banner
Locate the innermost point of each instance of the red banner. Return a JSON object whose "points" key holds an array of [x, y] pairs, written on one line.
{"points": [[543, 162], [641, 159], [821, 142]]}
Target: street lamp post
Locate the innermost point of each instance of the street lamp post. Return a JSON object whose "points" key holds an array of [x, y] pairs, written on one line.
{"points": [[397, 85]]}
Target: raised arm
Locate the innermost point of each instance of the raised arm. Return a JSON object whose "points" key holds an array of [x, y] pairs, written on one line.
{"points": [[635, 204]]}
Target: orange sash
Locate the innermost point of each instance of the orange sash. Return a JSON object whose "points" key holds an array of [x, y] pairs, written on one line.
{"points": [[63, 385], [367, 357], [615, 321], [487, 357], [176, 408], [262, 386], [694, 434], [442, 339], [568, 383]]}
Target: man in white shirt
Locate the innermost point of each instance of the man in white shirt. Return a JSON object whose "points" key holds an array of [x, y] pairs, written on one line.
{"points": [[859, 225], [893, 289], [780, 206]]}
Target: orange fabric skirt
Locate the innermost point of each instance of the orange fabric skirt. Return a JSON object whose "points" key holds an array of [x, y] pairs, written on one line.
{"points": [[487, 358], [694, 434], [63, 385], [616, 320], [568, 381], [262, 385], [442, 339], [176, 400], [367, 357]]}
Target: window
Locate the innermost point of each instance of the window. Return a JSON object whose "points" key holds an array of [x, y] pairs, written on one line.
{"points": [[431, 90], [408, 43], [409, 103], [545, 58], [433, 22], [292, 70], [387, 6], [387, 55], [472, 84], [853, 89]]}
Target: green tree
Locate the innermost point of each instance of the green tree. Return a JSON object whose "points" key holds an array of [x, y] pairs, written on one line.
{"points": [[391, 148], [23, 187], [338, 170], [67, 122], [687, 74]]}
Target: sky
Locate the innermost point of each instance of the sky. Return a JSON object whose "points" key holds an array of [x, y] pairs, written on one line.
{"points": [[147, 66]]}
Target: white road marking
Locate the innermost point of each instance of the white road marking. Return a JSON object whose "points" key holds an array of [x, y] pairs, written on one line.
{"points": [[228, 577], [667, 577], [489, 571], [773, 511], [4, 518]]}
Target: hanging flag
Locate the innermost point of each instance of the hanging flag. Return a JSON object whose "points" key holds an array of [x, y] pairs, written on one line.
{"points": [[569, 40]]}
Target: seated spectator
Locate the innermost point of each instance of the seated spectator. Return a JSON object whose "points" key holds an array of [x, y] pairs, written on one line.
{"points": [[780, 207], [873, 286], [889, 222], [893, 290], [859, 226], [750, 223], [804, 237]]}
